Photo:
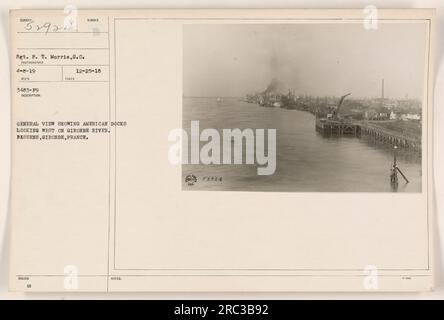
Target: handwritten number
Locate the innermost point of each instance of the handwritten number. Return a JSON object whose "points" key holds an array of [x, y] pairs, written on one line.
{"points": [[28, 25]]}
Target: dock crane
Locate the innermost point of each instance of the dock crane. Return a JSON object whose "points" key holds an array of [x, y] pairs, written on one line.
{"points": [[338, 108]]}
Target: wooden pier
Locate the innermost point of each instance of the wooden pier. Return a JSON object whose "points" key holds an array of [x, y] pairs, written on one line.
{"points": [[360, 129], [388, 137], [337, 128]]}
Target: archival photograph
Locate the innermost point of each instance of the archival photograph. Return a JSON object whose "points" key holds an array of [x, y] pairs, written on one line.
{"points": [[304, 107]]}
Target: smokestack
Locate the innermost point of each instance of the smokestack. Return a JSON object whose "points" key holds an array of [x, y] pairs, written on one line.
{"points": [[382, 89]]}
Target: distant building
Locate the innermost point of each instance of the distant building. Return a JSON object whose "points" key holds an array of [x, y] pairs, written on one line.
{"points": [[410, 116], [393, 116], [377, 116]]}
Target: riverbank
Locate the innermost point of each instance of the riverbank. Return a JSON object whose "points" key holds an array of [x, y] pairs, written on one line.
{"points": [[402, 133]]}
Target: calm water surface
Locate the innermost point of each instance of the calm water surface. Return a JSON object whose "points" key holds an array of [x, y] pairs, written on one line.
{"points": [[305, 160]]}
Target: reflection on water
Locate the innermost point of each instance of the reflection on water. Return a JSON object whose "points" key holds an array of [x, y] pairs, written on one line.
{"points": [[306, 161]]}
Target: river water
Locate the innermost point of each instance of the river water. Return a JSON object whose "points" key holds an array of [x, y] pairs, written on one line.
{"points": [[305, 160]]}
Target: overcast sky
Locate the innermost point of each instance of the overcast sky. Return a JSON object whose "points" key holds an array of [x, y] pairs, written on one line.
{"points": [[317, 59]]}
